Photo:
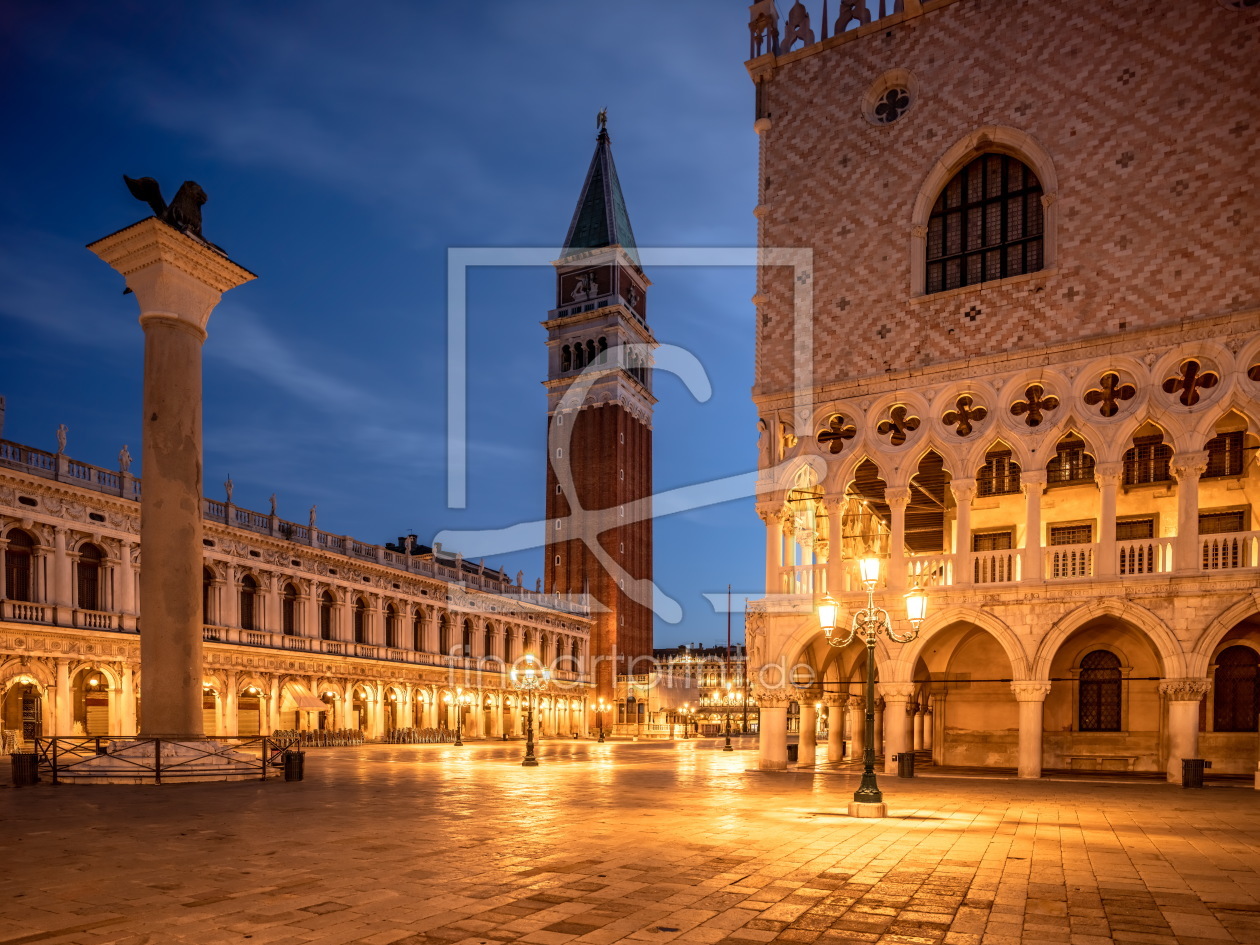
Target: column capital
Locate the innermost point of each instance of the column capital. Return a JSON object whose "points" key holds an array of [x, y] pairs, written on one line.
{"points": [[1109, 474], [896, 692], [1189, 465], [171, 273], [1032, 481], [1030, 690], [1189, 689], [964, 490], [775, 698], [897, 496]]}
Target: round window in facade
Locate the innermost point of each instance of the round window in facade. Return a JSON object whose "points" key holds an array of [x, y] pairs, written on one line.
{"points": [[892, 95]]}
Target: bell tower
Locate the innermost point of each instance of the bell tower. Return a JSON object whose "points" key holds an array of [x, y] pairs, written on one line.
{"points": [[599, 425]]}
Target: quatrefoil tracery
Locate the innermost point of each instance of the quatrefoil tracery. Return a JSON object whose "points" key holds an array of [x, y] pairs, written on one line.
{"points": [[1109, 393], [1189, 380], [898, 426], [964, 416], [1035, 405], [838, 430]]}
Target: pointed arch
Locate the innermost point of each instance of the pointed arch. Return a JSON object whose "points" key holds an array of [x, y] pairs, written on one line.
{"points": [[1200, 656], [902, 668], [1165, 643]]}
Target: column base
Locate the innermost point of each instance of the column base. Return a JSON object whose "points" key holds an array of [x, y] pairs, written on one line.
{"points": [[772, 766], [857, 809]]}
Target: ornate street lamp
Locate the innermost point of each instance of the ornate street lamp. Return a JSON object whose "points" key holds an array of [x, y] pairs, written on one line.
{"points": [[600, 708], [530, 678], [460, 700], [868, 624]]}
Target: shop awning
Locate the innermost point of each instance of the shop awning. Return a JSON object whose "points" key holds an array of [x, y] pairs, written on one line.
{"points": [[302, 698]]}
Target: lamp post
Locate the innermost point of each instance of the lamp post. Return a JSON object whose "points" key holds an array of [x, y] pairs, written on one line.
{"points": [[459, 701], [868, 624], [600, 708], [530, 678], [726, 714]]}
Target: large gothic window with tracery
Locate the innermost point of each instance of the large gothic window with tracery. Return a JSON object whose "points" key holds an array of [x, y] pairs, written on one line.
{"points": [[1100, 692], [987, 224]]}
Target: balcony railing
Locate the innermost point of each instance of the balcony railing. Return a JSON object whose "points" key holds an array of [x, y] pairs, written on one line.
{"points": [[1070, 561], [1144, 556], [1235, 551], [997, 567], [1229, 551]]}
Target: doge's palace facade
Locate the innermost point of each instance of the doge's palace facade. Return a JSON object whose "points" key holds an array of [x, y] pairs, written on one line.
{"points": [[1009, 339]]}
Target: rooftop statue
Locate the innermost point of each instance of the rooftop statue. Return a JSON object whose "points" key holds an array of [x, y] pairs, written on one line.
{"points": [[183, 213]]}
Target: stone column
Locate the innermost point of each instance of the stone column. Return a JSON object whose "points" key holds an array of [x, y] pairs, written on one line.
{"points": [[1183, 696], [897, 500], [1108, 476], [896, 721], [1186, 469], [231, 716], [1033, 485], [127, 708], [1031, 695], [772, 738], [917, 744], [879, 726], [113, 695], [62, 580], [835, 729], [857, 728], [964, 491], [64, 700], [928, 721], [835, 559], [127, 590], [772, 517], [807, 744], [177, 281], [273, 706]]}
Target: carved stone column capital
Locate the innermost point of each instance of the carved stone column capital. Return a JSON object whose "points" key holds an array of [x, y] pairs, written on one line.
{"points": [[1189, 689], [775, 698], [896, 692], [1109, 474], [897, 496], [1189, 466], [964, 490], [1030, 690]]}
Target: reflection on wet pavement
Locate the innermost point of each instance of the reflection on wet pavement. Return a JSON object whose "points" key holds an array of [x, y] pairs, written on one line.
{"points": [[664, 841]]}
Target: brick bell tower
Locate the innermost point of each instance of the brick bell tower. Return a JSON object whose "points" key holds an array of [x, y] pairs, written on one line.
{"points": [[599, 425]]}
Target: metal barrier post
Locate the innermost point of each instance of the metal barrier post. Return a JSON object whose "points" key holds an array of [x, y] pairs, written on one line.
{"points": [[157, 761], [54, 760]]}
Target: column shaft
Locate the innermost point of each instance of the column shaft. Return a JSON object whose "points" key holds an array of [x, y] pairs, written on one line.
{"points": [[773, 738], [807, 745]]}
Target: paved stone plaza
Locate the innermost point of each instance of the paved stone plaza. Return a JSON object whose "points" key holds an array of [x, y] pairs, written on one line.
{"points": [[624, 841]]}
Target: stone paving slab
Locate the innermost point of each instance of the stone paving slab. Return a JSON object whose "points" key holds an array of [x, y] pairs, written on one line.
{"points": [[622, 842]]}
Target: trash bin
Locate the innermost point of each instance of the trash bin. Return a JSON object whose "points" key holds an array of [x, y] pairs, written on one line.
{"points": [[1192, 772], [793, 752], [294, 765], [25, 768], [905, 764]]}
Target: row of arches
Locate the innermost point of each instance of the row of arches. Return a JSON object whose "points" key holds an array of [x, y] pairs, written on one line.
{"points": [[20, 550], [580, 354], [393, 624], [105, 699], [1106, 518], [1108, 688]]}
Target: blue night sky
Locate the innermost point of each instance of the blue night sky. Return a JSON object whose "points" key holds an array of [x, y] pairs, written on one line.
{"points": [[344, 149]]}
